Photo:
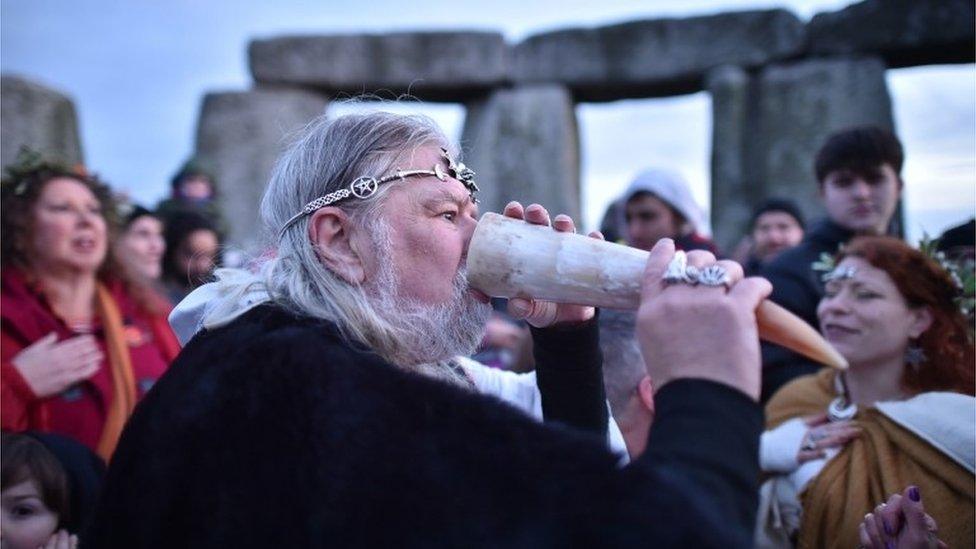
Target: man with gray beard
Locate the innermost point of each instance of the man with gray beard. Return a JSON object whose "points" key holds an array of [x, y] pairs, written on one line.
{"points": [[429, 330], [320, 402]]}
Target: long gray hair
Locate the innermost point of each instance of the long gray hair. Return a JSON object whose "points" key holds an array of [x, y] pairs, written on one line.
{"points": [[328, 156]]}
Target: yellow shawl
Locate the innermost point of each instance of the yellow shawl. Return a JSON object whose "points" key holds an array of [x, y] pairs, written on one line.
{"points": [[884, 460]]}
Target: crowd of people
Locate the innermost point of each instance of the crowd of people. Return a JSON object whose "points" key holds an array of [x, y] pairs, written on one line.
{"points": [[350, 388], [84, 313]]}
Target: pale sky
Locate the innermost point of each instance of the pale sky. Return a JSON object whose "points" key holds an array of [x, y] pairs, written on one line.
{"points": [[138, 70]]}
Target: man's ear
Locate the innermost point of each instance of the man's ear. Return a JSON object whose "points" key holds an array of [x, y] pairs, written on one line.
{"points": [[921, 321], [329, 232], [645, 390]]}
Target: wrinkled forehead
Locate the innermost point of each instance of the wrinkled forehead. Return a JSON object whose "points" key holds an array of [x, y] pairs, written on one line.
{"points": [[429, 194], [434, 190], [421, 157], [442, 181]]}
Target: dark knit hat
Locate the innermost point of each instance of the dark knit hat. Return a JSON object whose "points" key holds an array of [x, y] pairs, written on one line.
{"points": [[131, 212], [190, 168], [958, 236], [784, 205]]}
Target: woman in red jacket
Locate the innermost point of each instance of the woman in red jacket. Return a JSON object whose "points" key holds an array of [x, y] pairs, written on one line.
{"points": [[80, 343]]}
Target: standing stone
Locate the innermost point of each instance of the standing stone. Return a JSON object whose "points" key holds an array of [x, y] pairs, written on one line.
{"points": [[240, 135], [523, 145], [735, 189], [903, 32], [769, 127], [656, 57], [37, 117], [430, 65]]}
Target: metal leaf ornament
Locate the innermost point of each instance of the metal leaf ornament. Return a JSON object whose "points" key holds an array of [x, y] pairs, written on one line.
{"points": [[462, 173], [825, 265]]}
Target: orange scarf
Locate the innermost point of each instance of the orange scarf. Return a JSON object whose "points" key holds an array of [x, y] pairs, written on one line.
{"points": [[123, 380]]}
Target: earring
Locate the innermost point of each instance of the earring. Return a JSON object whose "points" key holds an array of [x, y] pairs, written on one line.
{"points": [[914, 355]]}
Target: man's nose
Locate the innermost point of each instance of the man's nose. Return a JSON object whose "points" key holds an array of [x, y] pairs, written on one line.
{"points": [[469, 224], [860, 188], [633, 228]]}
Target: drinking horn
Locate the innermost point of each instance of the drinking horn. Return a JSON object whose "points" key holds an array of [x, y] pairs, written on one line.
{"points": [[511, 258]]}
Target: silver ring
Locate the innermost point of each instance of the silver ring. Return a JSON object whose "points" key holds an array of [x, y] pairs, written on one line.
{"points": [[674, 273], [713, 275], [809, 445], [679, 272]]}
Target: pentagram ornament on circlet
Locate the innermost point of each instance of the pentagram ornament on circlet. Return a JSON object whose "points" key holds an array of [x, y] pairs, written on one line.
{"points": [[364, 187]]}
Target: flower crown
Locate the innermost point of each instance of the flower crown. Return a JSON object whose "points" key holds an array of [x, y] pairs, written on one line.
{"points": [[28, 162], [961, 273]]}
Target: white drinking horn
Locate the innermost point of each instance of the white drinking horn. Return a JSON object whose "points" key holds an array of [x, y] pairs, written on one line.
{"points": [[511, 258]]}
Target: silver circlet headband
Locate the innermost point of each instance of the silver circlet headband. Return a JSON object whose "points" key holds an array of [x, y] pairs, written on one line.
{"points": [[366, 186]]}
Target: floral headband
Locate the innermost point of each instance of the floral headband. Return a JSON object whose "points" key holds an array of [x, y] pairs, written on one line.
{"points": [[28, 162], [962, 274]]}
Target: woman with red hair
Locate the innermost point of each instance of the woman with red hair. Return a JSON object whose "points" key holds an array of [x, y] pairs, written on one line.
{"points": [[839, 443]]}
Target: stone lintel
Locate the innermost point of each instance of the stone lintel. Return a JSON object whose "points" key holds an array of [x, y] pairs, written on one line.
{"points": [[433, 66], [656, 57]]}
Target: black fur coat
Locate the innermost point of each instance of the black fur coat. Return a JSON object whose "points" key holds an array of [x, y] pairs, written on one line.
{"points": [[275, 432]]}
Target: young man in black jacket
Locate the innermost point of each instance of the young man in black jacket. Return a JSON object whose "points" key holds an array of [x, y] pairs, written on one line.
{"points": [[859, 173], [327, 413]]}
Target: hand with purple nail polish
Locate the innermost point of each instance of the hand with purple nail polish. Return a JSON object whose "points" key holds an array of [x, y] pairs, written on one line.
{"points": [[900, 523]]}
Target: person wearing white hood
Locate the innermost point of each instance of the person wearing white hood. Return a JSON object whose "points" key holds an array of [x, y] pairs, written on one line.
{"points": [[658, 204]]}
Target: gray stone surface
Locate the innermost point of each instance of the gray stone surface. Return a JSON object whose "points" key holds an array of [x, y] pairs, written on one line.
{"points": [[734, 190], [656, 57], [39, 117], [524, 146], [801, 104], [903, 32], [769, 127], [240, 135], [429, 65]]}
